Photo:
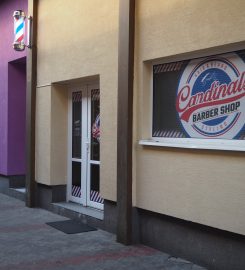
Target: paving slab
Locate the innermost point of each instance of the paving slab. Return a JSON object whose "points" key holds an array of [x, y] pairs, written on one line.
{"points": [[28, 243]]}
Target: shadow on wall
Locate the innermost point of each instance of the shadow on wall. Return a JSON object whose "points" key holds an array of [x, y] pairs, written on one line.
{"points": [[16, 116]]}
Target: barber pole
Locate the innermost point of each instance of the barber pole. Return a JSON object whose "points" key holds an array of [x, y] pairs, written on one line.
{"points": [[19, 30]]}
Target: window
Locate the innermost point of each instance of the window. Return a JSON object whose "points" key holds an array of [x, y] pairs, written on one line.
{"points": [[200, 102]]}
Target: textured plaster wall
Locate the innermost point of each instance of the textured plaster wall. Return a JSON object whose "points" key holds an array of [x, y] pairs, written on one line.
{"points": [[206, 187], [74, 42], [43, 135], [51, 143], [59, 117]]}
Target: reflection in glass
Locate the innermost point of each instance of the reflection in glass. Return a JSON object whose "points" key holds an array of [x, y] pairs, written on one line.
{"points": [[76, 179], [95, 184], [76, 124], [95, 124]]}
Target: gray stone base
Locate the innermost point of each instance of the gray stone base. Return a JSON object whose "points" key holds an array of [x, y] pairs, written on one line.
{"points": [[4, 183], [208, 247], [9, 184], [13, 181], [110, 216], [17, 181], [46, 195]]}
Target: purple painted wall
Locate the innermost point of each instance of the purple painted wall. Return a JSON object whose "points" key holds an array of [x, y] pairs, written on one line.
{"points": [[12, 94]]}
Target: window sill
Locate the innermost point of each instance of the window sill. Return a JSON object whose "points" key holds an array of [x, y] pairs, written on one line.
{"points": [[226, 145]]}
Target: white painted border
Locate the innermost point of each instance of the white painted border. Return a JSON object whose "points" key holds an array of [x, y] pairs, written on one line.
{"points": [[191, 143], [69, 196]]}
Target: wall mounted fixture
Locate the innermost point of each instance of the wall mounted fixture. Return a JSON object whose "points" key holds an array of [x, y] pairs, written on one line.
{"points": [[19, 31]]}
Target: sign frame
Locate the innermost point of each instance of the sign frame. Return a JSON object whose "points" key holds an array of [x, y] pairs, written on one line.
{"points": [[192, 143]]}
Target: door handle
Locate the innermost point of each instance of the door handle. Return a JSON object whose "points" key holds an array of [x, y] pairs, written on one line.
{"points": [[88, 146]]}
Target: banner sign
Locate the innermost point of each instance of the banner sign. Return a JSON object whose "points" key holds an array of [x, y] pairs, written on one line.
{"points": [[209, 98]]}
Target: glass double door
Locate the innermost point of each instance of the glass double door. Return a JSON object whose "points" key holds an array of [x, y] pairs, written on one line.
{"points": [[84, 147]]}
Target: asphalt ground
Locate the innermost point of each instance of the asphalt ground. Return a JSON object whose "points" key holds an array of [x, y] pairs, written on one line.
{"points": [[27, 243]]}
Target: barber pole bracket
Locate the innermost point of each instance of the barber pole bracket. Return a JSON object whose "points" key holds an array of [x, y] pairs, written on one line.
{"points": [[19, 31]]}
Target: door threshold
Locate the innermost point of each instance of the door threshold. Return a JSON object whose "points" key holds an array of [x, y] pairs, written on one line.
{"points": [[21, 190], [88, 211]]}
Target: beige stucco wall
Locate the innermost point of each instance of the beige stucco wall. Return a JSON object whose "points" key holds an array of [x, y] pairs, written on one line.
{"points": [[58, 146], [206, 187], [51, 146], [43, 134], [78, 40]]}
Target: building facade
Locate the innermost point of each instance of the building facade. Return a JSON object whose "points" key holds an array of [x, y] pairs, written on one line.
{"points": [[76, 87], [188, 183], [12, 98]]}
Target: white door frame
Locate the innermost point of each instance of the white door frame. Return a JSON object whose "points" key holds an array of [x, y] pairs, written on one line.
{"points": [[85, 147]]}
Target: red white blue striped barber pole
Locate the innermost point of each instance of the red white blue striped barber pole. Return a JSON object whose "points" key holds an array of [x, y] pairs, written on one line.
{"points": [[19, 30]]}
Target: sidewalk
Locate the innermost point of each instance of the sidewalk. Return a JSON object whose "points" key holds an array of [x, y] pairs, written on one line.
{"points": [[27, 243]]}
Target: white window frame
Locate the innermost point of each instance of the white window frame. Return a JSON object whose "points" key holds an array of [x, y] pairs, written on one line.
{"points": [[189, 143]]}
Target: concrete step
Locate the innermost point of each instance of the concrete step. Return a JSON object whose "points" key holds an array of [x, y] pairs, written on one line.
{"points": [[17, 193], [87, 215]]}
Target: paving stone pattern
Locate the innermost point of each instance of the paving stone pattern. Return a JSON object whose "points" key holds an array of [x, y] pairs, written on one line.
{"points": [[27, 243]]}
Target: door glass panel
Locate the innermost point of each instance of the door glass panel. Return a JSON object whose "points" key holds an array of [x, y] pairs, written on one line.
{"points": [[85, 168], [76, 124], [95, 184], [76, 179], [95, 124]]}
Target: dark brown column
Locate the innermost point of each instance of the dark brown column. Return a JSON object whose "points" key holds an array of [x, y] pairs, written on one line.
{"points": [[125, 117], [31, 108]]}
